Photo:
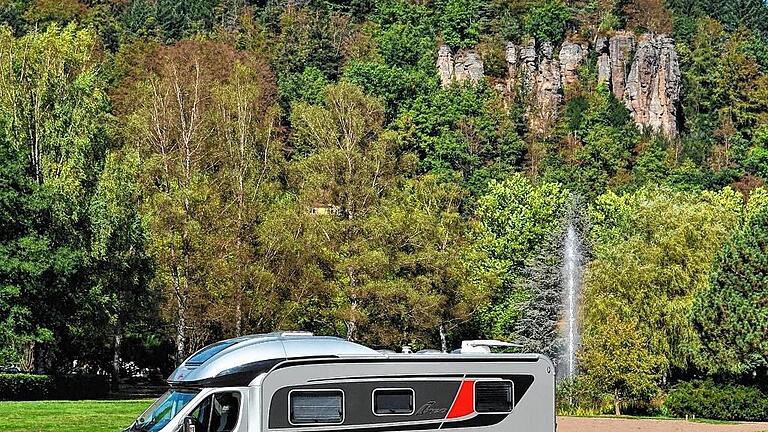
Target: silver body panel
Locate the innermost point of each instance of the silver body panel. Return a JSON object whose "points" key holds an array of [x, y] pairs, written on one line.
{"points": [[304, 362], [534, 412], [255, 348]]}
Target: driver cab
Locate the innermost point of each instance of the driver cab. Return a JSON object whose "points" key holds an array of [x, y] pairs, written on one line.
{"points": [[217, 412], [196, 410]]}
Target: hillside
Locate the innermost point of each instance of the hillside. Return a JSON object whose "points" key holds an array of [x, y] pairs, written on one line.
{"points": [[395, 172]]}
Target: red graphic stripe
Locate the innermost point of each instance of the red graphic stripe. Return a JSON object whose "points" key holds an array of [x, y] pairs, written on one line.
{"points": [[465, 401]]}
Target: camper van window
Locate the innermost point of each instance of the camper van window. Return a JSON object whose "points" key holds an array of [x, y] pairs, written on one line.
{"points": [[217, 413], [316, 406], [163, 410], [393, 401], [206, 353], [493, 396]]}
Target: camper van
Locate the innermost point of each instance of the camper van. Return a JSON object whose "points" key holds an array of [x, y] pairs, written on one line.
{"points": [[297, 382]]}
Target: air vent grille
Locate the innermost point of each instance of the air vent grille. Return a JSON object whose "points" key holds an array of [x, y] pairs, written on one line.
{"points": [[493, 396]]}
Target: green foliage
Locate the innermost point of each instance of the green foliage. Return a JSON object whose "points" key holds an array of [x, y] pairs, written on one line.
{"points": [[309, 38], [460, 22], [517, 218], [608, 137], [26, 387], [717, 400], [752, 14], [546, 21], [729, 313], [462, 132], [55, 131], [306, 86], [403, 67], [647, 271]]}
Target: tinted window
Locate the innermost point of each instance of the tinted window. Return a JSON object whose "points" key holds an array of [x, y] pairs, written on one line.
{"points": [[218, 413], [164, 409], [392, 401], [493, 396], [206, 353], [316, 406]]}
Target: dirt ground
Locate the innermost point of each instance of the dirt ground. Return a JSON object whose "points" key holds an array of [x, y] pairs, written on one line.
{"points": [[584, 424]]}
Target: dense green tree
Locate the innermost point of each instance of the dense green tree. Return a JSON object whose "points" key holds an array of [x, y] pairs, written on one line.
{"points": [[604, 137], [730, 313], [546, 21], [122, 269], [53, 114], [460, 22], [462, 133], [646, 272], [517, 219], [202, 127]]}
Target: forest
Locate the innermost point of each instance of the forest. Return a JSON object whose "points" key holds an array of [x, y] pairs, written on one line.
{"points": [[177, 172]]}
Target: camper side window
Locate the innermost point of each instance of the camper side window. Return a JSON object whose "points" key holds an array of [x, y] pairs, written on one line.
{"points": [[393, 401], [217, 413], [316, 407], [493, 396]]}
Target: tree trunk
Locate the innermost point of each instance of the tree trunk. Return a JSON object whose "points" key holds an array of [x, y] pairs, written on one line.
{"points": [[443, 342], [181, 325], [117, 342], [616, 402], [351, 330], [239, 315]]}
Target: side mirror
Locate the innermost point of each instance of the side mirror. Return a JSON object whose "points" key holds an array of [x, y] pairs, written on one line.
{"points": [[189, 424]]}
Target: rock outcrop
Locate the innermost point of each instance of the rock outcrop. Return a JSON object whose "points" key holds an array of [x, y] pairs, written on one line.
{"points": [[620, 48], [652, 91], [540, 77], [571, 57], [645, 76], [548, 91], [603, 60], [642, 72], [466, 65], [445, 65]]}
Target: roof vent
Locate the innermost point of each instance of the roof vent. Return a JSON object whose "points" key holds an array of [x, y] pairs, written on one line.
{"points": [[482, 346], [295, 334]]}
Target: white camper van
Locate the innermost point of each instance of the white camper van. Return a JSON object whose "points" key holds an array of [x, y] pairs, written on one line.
{"points": [[297, 382]]}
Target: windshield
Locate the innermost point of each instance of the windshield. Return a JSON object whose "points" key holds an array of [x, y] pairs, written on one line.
{"points": [[163, 410]]}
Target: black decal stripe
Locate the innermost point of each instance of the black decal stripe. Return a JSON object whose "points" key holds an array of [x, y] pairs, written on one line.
{"points": [[404, 427], [415, 359], [432, 400], [477, 421], [379, 377]]}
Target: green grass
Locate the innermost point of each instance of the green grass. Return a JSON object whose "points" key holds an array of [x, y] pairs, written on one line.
{"points": [[66, 416]]}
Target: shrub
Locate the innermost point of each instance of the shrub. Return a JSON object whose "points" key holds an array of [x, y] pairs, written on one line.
{"points": [[79, 387], [24, 387], [460, 23], [15, 387], [721, 401], [547, 21]]}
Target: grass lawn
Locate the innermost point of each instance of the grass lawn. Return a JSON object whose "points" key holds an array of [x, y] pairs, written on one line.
{"points": [[65, 416]]}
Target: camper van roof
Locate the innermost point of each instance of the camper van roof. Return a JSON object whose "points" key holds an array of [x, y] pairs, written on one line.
{"points": [[253, 354]]}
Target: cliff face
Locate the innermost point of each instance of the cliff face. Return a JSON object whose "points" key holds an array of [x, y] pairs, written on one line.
{"points": [[642, 72], [645, 76], [652, 92], [541, 76], [465, 66]]}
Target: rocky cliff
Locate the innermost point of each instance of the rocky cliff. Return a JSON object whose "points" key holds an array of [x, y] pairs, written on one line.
{"points": [[652, 92], [643, 72], [465, 66]]}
